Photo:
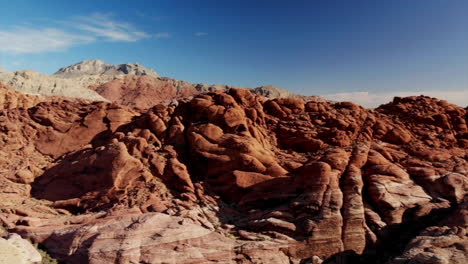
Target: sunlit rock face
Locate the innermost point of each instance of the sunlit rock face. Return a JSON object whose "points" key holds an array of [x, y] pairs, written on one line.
{"points": [[99, 67], [232, 177]]}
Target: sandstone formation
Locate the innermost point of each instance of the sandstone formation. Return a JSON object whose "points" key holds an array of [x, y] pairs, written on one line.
{"points": [[230, 177], [267, 91], [99, 67], [9, 99], [144, 91]]}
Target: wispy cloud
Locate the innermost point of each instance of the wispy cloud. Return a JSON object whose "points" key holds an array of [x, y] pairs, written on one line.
{"points": [[200, 34], [374, 99], [104, 25], [163, 35], [64, 34], [36, 40]]}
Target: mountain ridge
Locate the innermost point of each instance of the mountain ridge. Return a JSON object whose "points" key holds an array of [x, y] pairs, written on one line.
{"points": [[32, 82], [99, 67], [90, 79]]}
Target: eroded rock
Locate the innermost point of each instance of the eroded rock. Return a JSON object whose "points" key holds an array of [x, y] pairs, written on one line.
{"points": [[230, 176]]}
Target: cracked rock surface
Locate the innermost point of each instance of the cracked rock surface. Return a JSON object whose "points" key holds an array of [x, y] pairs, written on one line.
{"points": [[231, 177]]}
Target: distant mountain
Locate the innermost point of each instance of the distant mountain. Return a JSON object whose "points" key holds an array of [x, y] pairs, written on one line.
{"points": [[32, 82], [2, 70], [99, 67], [72, 81]]}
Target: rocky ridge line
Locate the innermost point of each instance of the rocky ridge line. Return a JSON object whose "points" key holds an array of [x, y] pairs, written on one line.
{"points": [[127, 84], [99, 67], [146, 91]]}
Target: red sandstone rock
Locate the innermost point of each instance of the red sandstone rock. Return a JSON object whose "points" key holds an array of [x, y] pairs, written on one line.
{"points": [[231, 176], [144, 91], [10, 99]]}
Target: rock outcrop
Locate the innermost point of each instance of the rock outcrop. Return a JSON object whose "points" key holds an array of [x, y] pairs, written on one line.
{"points": [[270, 91], [267, 91], [10, 99], [233, 178], [144, 91]]}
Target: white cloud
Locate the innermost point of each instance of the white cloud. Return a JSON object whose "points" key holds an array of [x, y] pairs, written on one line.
{"points": [[200, 34], [68, 33], [374, 99], [163, 35], [36, 40], [104, 25]]}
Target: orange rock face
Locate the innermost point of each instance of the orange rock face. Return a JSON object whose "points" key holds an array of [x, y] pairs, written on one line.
{"points": [[231, 177], [10, 99], [144, 91]]}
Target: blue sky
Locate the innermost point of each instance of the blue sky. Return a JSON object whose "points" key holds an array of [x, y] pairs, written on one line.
{"points": [[311, 47]]}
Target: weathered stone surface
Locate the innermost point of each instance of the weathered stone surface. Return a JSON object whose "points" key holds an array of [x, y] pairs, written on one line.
{"points": [[14, 249], [232, 177], [9, 99], [445, 243], [144, 91]]}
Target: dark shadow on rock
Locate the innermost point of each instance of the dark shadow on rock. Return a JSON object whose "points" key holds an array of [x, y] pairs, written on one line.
{"points": [[344, 257], [393, 239], [58, 241], [71, 178]]}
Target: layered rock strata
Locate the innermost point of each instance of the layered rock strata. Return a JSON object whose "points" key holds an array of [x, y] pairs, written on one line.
{"points": [[229, 177]]}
